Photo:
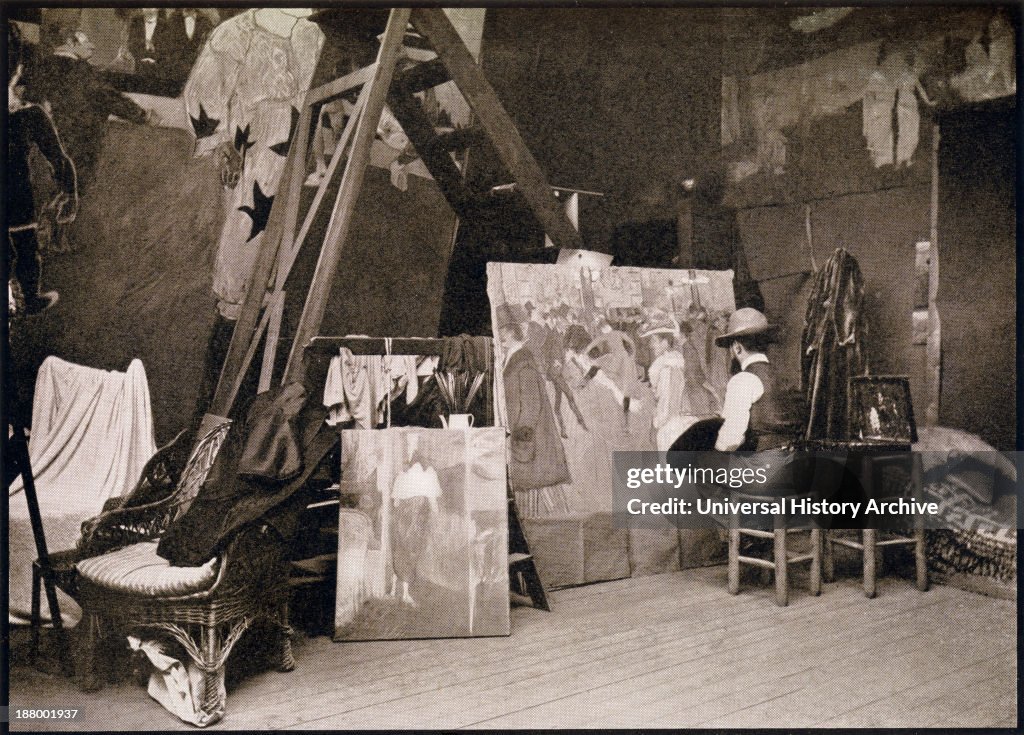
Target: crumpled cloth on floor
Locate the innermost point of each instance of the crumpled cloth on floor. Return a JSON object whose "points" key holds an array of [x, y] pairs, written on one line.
{"points": [[92, 433], [179, 687]]}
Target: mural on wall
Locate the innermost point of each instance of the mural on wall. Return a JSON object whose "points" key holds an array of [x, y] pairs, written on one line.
{"points": [[597, 361], [893, 81], [422, 535]]}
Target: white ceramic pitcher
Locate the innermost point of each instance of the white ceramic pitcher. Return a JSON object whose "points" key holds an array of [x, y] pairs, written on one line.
{"points": [[457, 421]]}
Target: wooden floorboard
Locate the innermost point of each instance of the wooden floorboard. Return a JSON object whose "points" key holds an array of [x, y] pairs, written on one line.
{"points": [[672, 650], [659, 691]]}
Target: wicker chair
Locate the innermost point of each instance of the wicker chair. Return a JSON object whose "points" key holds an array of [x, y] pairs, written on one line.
{"points": [[158, 479], [245, 583]]}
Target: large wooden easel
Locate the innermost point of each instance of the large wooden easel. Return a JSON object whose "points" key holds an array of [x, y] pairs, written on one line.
{"points": [[395, 80]]}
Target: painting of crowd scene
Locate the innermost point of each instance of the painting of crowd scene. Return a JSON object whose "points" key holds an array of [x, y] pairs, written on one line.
{"points": [[597, 361]]}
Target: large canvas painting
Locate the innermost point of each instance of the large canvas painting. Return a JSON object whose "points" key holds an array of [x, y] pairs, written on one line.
{"points": [[597, 361], [422, 535]]}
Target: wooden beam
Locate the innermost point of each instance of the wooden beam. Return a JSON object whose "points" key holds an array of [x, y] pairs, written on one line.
{"points": [[239, 356], [461, 138], [288, 251], [467, 75], [338, 87], [421, 77], [288, 259], [351, 185], [410, 115]]}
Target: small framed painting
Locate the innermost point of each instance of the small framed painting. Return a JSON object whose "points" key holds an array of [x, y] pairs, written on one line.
{"points": [[881, 410]]}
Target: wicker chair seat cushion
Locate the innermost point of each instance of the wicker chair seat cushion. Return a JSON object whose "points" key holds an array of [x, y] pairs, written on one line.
{"points": [[137, 569]]}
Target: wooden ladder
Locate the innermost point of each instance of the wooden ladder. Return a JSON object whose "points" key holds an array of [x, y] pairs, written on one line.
{"points": [[395, 80], [522, 569]]}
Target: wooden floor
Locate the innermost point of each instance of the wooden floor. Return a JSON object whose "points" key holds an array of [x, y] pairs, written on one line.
{"points": [[673, 650]]}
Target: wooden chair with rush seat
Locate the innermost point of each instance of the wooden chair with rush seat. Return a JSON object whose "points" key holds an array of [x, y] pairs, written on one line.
{"points": [[881, 427], [701, 438]]}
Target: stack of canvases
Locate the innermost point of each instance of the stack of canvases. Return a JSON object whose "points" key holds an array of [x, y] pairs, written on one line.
{"points": [[578, 380]]}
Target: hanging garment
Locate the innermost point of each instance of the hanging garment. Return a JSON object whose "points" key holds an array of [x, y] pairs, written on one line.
{"points": [[832, 344], [355, 388], [879, 100], [92, 433], [246, 90], [244, 486]]}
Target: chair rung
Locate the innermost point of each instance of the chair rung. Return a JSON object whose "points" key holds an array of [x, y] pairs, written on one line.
{"points": [[799, 558], [847, 543], [896, 542], [756, 562], [757, 533]]}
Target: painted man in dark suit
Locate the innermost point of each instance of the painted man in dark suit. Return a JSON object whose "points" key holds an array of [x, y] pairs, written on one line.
{"points": [[181, 38]]}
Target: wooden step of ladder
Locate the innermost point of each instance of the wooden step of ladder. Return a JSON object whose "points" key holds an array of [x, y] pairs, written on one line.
{"points": [[522, 568]]}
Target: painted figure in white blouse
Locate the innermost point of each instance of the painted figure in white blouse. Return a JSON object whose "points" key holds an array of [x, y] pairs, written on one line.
{"points": [[667, 375], [243, 98]]}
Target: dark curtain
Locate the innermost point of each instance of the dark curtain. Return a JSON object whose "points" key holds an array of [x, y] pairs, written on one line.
{"points": [[832, 345]]}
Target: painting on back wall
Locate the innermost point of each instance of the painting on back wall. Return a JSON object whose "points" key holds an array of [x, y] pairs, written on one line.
{"points": [[422, 535], [597, 361]]}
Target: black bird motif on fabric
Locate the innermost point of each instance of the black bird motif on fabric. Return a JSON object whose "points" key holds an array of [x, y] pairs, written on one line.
{"points": [[204, 126], [242, 140], [259, 211], [281, 148]]}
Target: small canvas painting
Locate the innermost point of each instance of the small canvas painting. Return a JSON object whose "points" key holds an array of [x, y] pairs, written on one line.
{"points": [[422, 535], [881, 409]]}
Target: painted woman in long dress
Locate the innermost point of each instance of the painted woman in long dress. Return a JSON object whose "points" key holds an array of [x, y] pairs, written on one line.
{"points": [[615, 358], [414, 502]]}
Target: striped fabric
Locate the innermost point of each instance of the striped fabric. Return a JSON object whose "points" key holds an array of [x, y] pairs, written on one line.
{"points": [[137, 569]]}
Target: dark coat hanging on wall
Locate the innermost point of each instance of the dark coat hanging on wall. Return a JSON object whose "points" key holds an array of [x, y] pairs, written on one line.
{"points": [[833, 345]]}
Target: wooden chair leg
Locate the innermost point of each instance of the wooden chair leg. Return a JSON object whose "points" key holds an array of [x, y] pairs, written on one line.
{"points": [[734, 561], [815, 580], [85, 662], [828, 566], [920, 553], [781, 566], [870, 558], [287, 662], [921, 560]]}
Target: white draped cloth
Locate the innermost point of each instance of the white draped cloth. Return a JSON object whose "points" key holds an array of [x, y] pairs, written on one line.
{"points": [[92, 433]]}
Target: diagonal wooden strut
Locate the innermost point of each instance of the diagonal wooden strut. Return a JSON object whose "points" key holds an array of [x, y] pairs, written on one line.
{"points": [[351, 184], [433, 24]]}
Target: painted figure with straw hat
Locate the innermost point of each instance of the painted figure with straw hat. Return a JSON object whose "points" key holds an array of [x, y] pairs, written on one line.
{"points": [[668, 379]]}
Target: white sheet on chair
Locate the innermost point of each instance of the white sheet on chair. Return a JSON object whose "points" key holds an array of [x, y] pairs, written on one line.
{"points": [[92, 433]]}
